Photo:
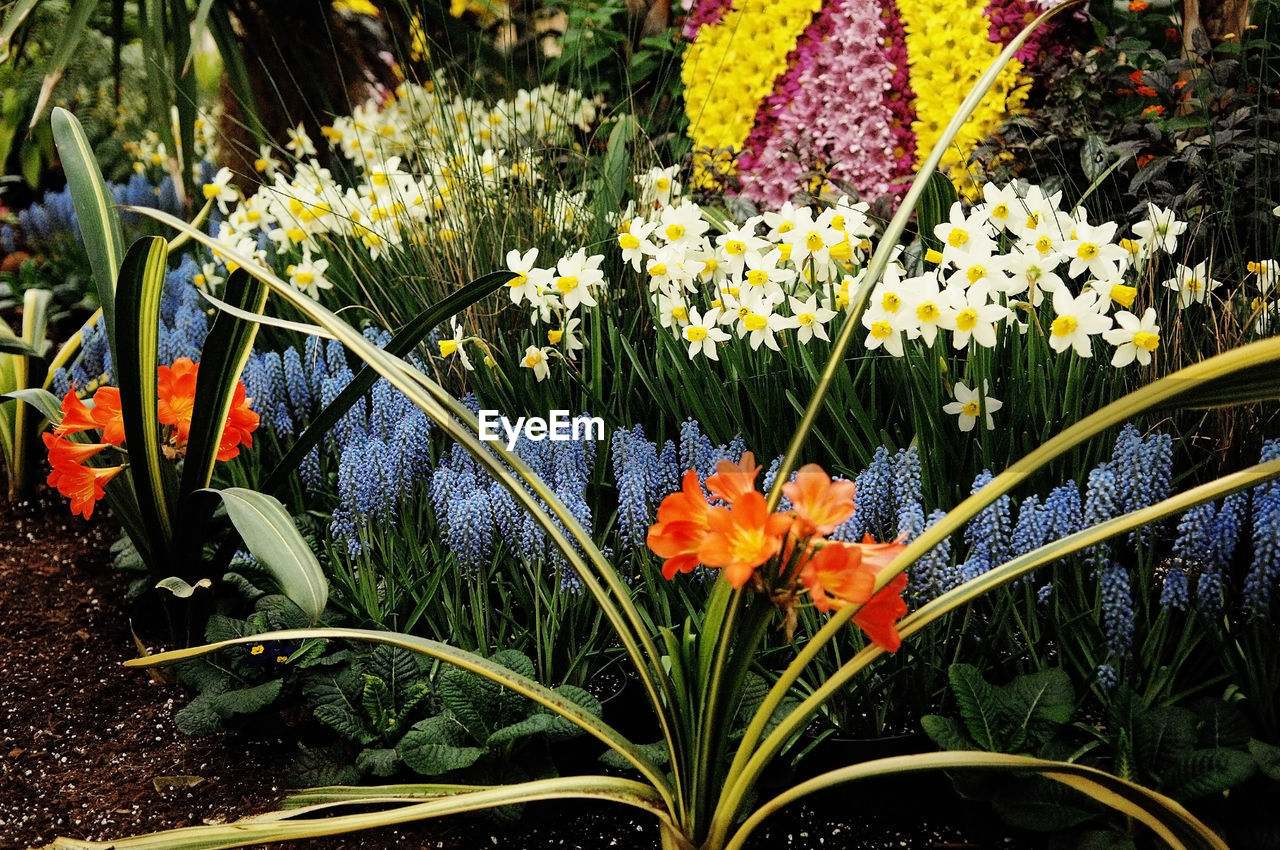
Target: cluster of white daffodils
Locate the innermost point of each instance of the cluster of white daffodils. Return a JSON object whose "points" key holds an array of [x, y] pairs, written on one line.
{"points": [[788, 270], [150, 155], [423, 162]]}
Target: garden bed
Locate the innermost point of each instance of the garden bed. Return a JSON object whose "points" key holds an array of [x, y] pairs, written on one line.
{"points": [[88, 748]]}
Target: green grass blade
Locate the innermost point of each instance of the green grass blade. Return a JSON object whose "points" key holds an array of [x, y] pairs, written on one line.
{"points": [[49, 405], [68, 41], [28, 370], [273, 828], [1167, 818], [469, 661], [226, 350], [404, 341], [95, 212], [13, 345], [269, 533], [138, 328], [17, 15]]}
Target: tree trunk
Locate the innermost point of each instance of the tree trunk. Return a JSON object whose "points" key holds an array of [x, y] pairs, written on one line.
{"points": [[1217, 20]]}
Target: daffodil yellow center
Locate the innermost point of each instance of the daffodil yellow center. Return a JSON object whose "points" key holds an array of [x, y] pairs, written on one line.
{"points": [[755, 322], [554, 336], [694, 333], [785, 250], [211, 191], [735, 247], [976, 273], [657, 270], [628, 242], [566, 283], [957, 237], [1044, 244], [1148, 341], [675, 231], [1087, 251], [757, 277], [1064, 326], [786, 227], [928, 312], [881, 329], [1000, 211], [447, 347], [806, 319], [1194, 284], [890, 302], [680, 313], [814, 242], [972, 409], [967, 319]]}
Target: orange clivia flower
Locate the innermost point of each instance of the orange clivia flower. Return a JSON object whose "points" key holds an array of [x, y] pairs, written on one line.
{"points": [[240, 425], [836, 576], [732, 480], [1138, 5], [820, 504], [83, 485], [681, 527], [879, 617], [107, 416], [64, 453], [743, 537], [76, 416], [176, 388]]}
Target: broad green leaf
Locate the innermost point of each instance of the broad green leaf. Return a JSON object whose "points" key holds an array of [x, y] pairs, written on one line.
{"points": [[432, 759], [180, 588], [226, 350], [1041, 805], [471, 700], [563, 730], [1207, 772], [269, 533], [946, 733], [137, 329], [1267, 757], [534, 724], [95, 212], [10, 344], [1163, 736], [49, 405], [978, 705], [1039, 702], [380, 762]]}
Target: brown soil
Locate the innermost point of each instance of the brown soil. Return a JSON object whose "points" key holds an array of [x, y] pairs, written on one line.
{"points": [[86, 744]]}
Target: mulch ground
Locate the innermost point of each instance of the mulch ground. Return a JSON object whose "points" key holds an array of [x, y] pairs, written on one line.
{"points": [[88, 748]]}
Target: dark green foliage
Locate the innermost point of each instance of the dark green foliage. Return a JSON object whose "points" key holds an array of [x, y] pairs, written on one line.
{"points": [[1022, 716]]}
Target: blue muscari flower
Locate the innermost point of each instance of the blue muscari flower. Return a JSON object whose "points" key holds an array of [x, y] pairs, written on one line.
{"points": [[635, 468], [1063, 511], [1117, 609], [1264, 572], [139, 192], [1032, 528], [771, 474], [412, 449], [281, 422], [8, 240], [1100, 504], [335, 358], [344, 529], [1224, 533], [309, 469], [873, 505], [37, 226], [167, 197], [295, 382], [669, 473], [695, 449], [1193, 549], [988, 533], [1127, 465], [908, 493], [933, 574], [1043, 594], [1107, 677]]}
